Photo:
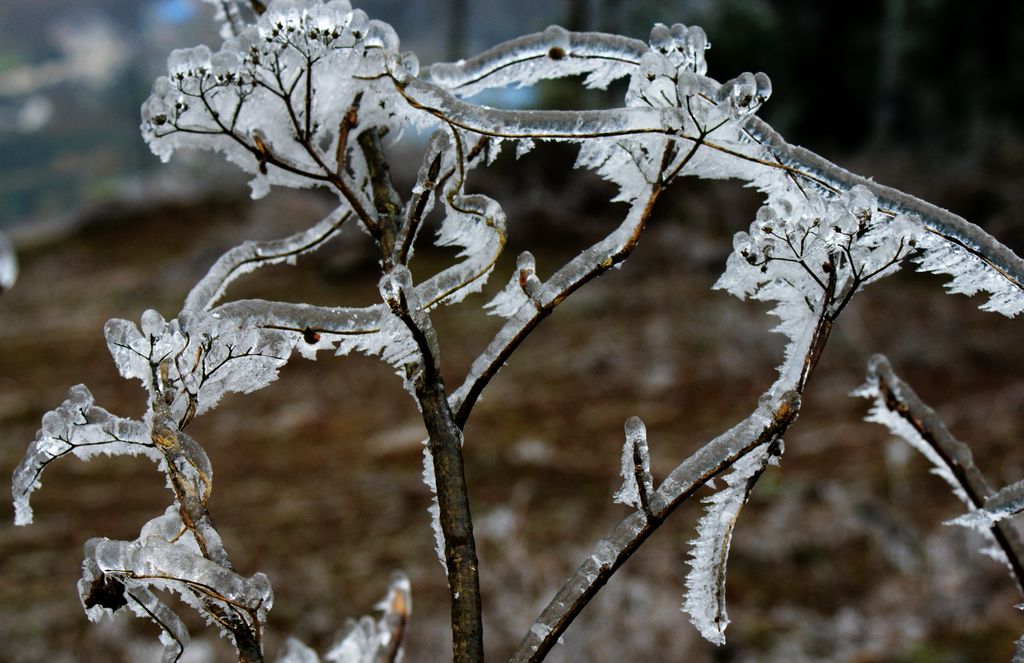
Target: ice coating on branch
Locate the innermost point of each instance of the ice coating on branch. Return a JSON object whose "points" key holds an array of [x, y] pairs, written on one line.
{"points": [[811, 252], [705, 583], [971, 275], [476, 224], [954, 458], [102, 596], [157, 564], [553, 53], [524, 286], [901, 428], [272, 96], [196, 359], [165, 557], [8, 264], [635, 467], [80, 428], [369, 641], [251, 255], [1009, 501]]}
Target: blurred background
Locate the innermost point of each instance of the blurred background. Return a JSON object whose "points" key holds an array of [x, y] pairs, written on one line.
{"points": [[841, 554]]}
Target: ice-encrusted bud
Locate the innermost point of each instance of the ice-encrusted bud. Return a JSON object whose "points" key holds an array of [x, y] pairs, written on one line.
{"points": [[764, 86], [381, 35], [557, 39], [358, 23], [224, 62], [189, 61], [862, 203], [637, 482], [678, 31], [745, 93], [661, 38], [402, 67], [153, 324], [740, 94], [526, 267], [396, 288]]}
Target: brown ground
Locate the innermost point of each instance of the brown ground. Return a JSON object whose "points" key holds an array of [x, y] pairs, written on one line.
{"points": [[841, 554]]}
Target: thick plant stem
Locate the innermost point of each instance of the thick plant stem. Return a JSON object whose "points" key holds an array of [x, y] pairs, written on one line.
{"points": [[445, 447]]}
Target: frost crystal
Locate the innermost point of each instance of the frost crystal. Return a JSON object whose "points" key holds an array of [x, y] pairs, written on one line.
{"points": [[705, 583], [435, 508]]}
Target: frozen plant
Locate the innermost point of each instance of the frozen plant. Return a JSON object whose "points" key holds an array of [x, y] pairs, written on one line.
{"points": [[302, 93]]}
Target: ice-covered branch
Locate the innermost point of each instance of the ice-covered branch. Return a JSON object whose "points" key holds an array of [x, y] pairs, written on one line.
{"points": [[554, 53], [80, 428], [366, 640], [1008, 501], [765, 425], [381, 640], [119, 574], [586, 266], [764, 428], [250, 256], [898, 408]]}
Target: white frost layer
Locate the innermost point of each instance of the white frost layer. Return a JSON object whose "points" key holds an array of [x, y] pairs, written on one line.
{"points": [[435, 508], [705, 583]]}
